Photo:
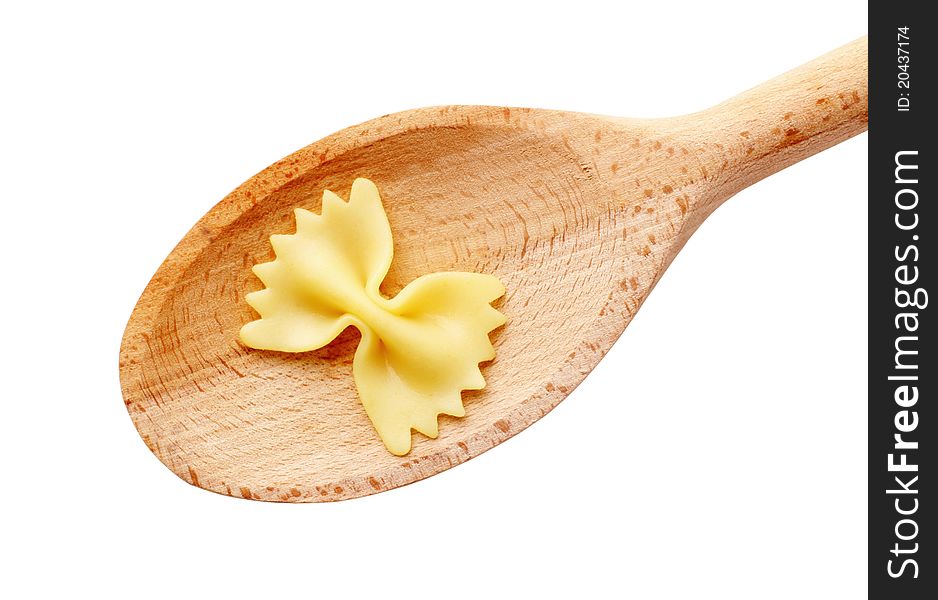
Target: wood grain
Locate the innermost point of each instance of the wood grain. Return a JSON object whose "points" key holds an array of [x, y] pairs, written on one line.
{"points": [[577, 214]]}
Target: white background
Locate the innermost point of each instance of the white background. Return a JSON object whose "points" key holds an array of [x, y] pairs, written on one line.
{"points": [[741, 476]]}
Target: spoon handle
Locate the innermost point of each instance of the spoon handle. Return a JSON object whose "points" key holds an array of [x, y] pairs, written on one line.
{"points": [[786, 119]]}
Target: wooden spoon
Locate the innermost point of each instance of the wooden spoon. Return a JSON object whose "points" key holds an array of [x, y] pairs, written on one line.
{"points": [[578, 215]]}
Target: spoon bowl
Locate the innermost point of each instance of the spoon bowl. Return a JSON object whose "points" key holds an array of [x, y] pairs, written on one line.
{"points": [[578, 215]]}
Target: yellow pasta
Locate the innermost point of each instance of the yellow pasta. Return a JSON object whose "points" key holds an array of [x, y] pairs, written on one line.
{"points": [[418, 350]]}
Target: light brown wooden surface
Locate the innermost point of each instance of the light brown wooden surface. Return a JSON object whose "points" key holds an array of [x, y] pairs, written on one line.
{"points": [[578, 215]]}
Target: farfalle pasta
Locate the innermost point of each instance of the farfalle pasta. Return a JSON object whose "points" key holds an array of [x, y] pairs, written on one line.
{"points": [[418, 350]]}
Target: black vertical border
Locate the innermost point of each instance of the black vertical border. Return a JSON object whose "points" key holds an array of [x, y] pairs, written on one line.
{"points": [[892, 131]]}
